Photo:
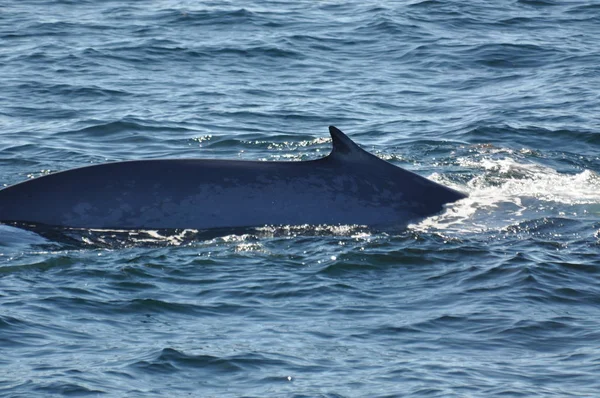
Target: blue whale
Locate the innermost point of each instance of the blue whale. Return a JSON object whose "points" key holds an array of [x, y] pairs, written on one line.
{"points": [[349, 186]]}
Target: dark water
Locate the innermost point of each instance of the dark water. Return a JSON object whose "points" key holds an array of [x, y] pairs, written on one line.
{"points": [[497, 296]]}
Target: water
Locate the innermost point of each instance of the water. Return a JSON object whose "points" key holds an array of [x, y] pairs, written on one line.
{"points": [[497, 296]]}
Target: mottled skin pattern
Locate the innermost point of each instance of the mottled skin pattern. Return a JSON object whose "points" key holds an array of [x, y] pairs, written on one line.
{"points": [[350, 186]]}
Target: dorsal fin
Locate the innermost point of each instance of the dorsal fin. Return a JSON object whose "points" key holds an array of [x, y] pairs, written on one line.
{"points": [[342, 145]]}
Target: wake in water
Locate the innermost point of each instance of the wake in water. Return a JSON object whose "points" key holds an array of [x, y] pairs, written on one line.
{"points": [[508, 190]]}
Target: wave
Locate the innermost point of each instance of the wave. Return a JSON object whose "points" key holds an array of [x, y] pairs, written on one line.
{"points": [[115, 129], [171, 360], [578, 141]]}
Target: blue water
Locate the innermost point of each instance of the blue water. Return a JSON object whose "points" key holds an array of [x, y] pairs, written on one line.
{"points": [[499, 296]]}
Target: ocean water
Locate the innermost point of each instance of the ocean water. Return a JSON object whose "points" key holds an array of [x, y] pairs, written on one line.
{"points": [[498, 296]]}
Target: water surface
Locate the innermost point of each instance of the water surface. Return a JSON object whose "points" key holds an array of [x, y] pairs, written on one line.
{"points": [[497, 296]]}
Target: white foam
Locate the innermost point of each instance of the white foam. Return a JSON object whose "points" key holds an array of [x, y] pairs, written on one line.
{"points": [[355, 231], [509, 191]]}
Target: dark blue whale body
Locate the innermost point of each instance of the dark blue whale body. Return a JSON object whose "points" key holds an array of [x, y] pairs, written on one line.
{"points": [[349, 186]]}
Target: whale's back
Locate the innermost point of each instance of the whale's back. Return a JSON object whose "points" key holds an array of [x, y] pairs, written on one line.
{"points": [[350, 186]]}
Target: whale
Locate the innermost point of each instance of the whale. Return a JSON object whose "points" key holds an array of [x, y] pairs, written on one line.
{"points": [[350, 186]]}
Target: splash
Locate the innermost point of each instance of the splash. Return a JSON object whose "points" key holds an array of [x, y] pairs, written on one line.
{"points": [[243, 239], [354, 231], [510, 191]]}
